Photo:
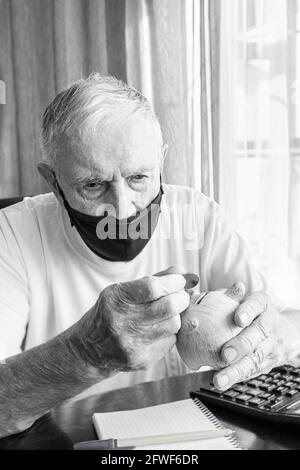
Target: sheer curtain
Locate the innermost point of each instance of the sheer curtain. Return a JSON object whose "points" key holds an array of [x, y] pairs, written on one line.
{"points": [[260, 134]]}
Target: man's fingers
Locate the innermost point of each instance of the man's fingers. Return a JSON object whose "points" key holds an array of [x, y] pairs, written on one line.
{"points": [[192, 279], [150, 288], [237, 291], [246, 341], [254, 305], [167, 307], [256, 363], [156, 287], [164, 329], [175, 269]]}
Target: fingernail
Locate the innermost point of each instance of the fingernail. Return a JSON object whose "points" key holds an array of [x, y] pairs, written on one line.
{"points": [[244, 319], [222, 381], [230, 354]]}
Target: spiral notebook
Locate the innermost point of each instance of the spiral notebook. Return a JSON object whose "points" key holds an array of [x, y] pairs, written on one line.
{"points": [[179, 416]]}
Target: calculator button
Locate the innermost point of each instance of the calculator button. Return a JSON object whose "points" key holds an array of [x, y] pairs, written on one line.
{"points": [[267, 387], [215, 391], [256, 401], [240, 388], [274, 398], [265, 395], [255, 383], [276, 375], [231, 394], [262, 377], [271, 406], [290, 384], [291, 393], [264, 386], [277, 399], [268, 380], [280, 383], [282, 377], [284, 390], [276, 381], [243, 397], [254, 392]]}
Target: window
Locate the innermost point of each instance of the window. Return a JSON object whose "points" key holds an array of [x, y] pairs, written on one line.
{"points": [[260, 134]]}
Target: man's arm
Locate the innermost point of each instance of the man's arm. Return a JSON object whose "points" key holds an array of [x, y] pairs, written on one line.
{"points": [[35, 381], [131, 327]]}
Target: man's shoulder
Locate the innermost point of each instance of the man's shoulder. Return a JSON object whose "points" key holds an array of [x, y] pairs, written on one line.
{"points": [[178, 194], [30, 203], [27, 222], [30, 211]]}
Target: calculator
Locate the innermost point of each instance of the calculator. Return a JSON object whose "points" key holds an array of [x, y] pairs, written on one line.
{"points": [[274, 396]]}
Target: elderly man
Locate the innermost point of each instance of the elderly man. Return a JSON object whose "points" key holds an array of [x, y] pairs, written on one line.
{"points": [[81, 304]]}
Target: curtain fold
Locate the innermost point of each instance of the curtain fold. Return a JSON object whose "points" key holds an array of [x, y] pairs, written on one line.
{"points": [[9, 165], [209, 79], [157, 34], [148, 43]]}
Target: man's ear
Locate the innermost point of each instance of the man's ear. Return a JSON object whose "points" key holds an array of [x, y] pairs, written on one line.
{"points": [[47, 172]]}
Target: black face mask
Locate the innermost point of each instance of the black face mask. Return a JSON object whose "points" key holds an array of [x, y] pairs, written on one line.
{"points": [[114, 239]]}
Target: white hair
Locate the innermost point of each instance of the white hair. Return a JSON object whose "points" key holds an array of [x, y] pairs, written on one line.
{"points": [[86, 107]]}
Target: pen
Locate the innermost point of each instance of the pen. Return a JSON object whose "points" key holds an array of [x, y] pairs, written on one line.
{"points": [[130, 443]]}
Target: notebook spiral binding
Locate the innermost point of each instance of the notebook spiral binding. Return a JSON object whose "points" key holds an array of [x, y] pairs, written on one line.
{"points": [[216, 422]]}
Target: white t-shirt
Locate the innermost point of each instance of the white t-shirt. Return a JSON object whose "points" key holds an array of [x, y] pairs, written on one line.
{"points": [[49, 278]]}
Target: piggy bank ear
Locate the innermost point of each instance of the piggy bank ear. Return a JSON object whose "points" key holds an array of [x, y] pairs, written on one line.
{"points": [[195, 295], [237, 291]]}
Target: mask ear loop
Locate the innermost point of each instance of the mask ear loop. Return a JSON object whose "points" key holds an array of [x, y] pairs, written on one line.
{"points": [[60, 191], [58, 187], [161, 186]]}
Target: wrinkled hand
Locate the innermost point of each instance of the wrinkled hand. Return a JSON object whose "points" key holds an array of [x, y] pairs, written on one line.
{"points": [[258, 347], [134, 324], [207, 326]]}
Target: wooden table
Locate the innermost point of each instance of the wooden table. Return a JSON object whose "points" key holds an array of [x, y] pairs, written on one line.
{"points": [[71, 422]]}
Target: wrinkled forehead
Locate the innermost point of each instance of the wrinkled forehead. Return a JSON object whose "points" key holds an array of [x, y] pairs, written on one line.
{"points": [[127, 146]]}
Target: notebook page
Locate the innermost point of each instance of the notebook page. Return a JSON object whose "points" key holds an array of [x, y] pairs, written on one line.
{"points": [[180, 416]]}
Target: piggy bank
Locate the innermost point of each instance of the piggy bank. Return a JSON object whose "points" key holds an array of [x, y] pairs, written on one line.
{"points": [[208, 325]]}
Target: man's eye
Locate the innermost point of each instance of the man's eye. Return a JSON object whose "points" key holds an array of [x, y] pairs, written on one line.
{"points": [[93, 185], [138, 177]]}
